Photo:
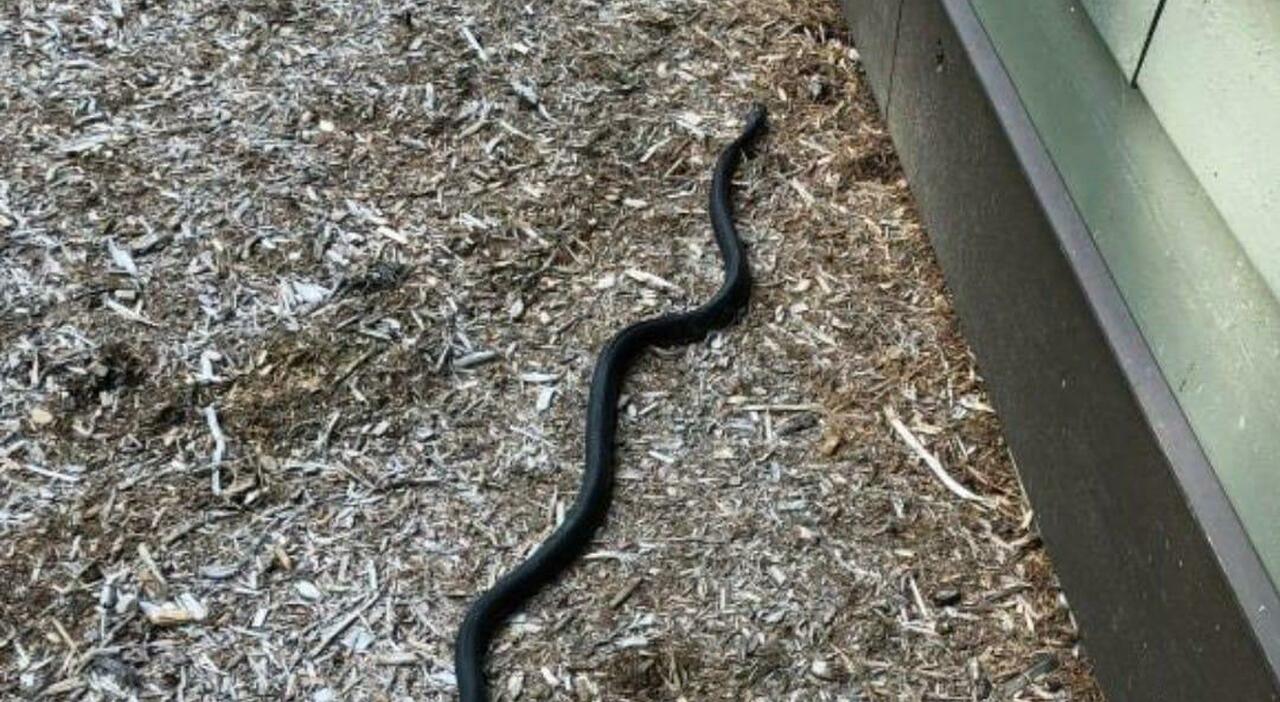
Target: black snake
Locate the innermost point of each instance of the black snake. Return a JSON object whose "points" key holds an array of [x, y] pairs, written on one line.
{"points": [[574, 534]]}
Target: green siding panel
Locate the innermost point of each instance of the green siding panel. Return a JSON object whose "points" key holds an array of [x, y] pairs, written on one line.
{"points": [[1210, 317], [1123, 25], [1212, 76]]}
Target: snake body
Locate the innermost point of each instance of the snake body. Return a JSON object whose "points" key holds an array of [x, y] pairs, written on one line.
{"points": [[575, 532]]}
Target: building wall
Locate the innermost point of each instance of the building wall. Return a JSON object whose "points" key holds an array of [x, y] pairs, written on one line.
{"points": [[1049, 187], [1198, 289]]}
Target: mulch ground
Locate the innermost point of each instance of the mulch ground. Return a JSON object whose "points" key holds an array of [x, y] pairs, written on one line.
{"points": [[298, 305]]}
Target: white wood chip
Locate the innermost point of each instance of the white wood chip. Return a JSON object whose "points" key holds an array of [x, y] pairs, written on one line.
{"points": [[930, 460]]}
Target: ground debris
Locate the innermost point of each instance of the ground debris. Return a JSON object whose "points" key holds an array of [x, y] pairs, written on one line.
{"points": [[299, 303]]}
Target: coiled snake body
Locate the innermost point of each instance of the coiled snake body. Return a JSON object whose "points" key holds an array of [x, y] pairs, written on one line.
{"points": [[574, 534]]}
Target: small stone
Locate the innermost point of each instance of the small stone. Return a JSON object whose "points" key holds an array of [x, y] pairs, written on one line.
{"points": [[41, 417], [946, 597]]}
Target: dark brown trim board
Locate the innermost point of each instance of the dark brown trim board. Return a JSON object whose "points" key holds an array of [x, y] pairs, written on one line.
{"points": [[1173, 601]]}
